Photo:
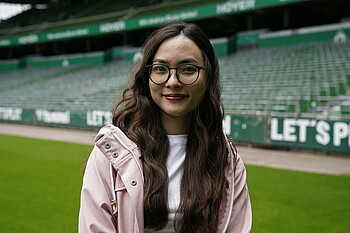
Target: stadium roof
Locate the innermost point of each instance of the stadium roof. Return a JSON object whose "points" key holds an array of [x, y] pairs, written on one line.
{"points": [[126, 20]]}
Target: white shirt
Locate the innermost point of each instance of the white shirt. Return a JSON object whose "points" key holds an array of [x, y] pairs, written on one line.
{"points": [[176, 158]]}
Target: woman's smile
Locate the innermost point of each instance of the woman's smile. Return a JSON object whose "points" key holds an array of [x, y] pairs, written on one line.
{"points": [[175, 96]]}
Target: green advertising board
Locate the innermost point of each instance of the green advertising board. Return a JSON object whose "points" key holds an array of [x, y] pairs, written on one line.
{"points": [[307, 133], [82, 119], [324, 135], [245, 128], [201, 11]]}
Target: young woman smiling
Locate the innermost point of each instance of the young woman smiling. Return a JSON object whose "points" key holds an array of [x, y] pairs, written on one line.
{"points": [[165, 164]]}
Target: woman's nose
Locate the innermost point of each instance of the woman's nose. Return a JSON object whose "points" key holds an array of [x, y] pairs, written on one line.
{"points": [[173, 81]]}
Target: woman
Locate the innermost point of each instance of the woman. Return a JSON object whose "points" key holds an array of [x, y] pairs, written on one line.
{"points": [[165, 164]]}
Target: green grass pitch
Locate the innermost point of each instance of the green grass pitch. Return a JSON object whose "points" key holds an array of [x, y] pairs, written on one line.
{"points": [[40, 185]]}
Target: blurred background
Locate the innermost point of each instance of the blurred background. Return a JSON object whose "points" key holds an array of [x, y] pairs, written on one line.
{"points": [[285, 67]]}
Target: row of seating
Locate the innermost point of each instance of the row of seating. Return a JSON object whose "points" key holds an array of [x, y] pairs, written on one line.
{"points": [[292, 79], [304, 79], [73, 89]]}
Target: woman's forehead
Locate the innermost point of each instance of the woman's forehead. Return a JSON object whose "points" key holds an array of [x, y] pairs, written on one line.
{"points": [[179, 48]]}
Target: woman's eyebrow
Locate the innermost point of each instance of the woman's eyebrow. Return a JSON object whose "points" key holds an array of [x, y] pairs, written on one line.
{"points": [[160, 61], [187, 60]]}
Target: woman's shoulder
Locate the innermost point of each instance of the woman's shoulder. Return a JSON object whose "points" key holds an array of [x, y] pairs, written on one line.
{"points": [[110, 130], [103, 131], [112, 137]]}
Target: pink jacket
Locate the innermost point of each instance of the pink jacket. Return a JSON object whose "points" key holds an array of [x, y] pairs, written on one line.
{"points": [[126, 179]]}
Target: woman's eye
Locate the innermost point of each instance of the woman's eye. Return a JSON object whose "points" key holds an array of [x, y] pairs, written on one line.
{"points": [[189, 69], [159, 69]]}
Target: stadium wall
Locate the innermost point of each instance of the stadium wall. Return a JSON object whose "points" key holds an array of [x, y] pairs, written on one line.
{"points": [[96, 58], [222, 46], [13, 64], [337, 33], [288, 132]]}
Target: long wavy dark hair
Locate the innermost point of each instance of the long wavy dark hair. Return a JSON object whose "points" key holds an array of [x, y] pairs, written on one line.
{"points": [[203, 183]]}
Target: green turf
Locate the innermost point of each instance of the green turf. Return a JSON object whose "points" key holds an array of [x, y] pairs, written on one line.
{"points": [[40, 184], [289, 201]]}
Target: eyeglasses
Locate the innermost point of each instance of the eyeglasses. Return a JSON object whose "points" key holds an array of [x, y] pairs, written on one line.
{"points": [[187, 74]]}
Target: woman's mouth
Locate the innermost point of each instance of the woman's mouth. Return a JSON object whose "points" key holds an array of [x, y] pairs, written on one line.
{"points": [[175, 96]]}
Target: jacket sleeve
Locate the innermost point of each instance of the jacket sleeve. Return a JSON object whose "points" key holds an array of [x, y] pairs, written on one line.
{"points": [[95, 213], [241, 218]]}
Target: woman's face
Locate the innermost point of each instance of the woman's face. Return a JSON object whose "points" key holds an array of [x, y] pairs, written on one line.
{"points": [[174, 99]]}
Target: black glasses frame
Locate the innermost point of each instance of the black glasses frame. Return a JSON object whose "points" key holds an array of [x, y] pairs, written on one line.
{"points": [[176, 69]]}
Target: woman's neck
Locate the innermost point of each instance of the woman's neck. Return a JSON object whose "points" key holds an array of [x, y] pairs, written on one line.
{"points": [[175, 125]]}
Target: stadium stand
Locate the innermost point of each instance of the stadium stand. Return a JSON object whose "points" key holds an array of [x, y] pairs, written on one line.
{"points": [[74, 88], [283, 71], [311, 78], [292, 79]]}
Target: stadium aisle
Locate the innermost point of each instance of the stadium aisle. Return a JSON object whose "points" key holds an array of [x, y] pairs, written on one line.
{"points": [[299, 161]]}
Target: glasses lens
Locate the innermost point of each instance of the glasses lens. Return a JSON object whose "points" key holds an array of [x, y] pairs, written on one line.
{"points": [[187, 74], [159, 73]]}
